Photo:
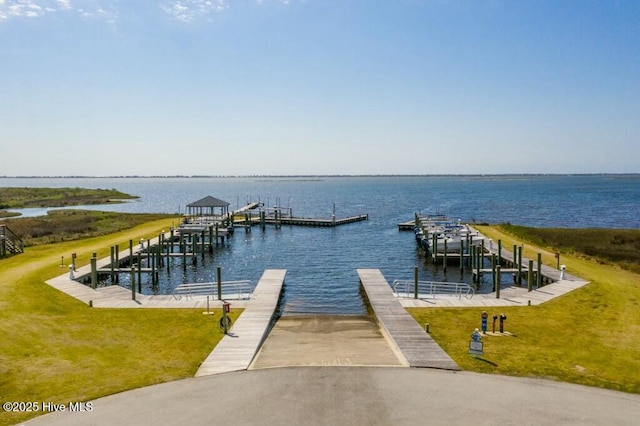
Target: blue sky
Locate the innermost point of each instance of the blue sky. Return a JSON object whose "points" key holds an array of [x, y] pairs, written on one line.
{"points": [[244, 87]]}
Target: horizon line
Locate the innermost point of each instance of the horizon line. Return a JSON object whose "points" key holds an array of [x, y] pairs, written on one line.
{"points": [[182, 176]]}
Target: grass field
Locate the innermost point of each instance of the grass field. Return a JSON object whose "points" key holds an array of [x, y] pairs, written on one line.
{"points": [[590, 336], [59, 350]]}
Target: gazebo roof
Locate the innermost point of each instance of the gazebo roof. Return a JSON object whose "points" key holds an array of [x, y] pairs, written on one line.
{"points": [[209, 201]]}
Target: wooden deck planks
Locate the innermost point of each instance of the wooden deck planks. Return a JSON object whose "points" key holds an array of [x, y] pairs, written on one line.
{"points": [[411, 342], [236, 351]]}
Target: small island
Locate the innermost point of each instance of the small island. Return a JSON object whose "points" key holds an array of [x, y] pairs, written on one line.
{"points": [[20, 198]]}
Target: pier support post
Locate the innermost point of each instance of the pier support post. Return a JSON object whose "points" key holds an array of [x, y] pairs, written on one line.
{"points": [[444, 257], [112, 258], [530, 276], [519, 266], [210, 238], [133, 281], [434, 247], [94, 272], [139, 263], [219, 277], [131, 249], [202, 246], [415, 282], [493, 271], [499, 252], [461, 255], [539, 277], [117, 252], [498, 281]]}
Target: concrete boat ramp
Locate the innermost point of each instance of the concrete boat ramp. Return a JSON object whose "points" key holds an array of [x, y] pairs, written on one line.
{"points": [[389, 337]]}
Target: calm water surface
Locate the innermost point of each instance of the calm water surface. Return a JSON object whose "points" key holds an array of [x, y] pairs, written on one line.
{"points": [[321, 263]]}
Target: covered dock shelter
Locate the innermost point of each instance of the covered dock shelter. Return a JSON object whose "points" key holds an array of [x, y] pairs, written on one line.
{"points": [[208, 208]]}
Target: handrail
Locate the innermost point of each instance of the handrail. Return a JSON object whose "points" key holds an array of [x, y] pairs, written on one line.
{"points": [[431, 288], [9, 242], [242, 289]]}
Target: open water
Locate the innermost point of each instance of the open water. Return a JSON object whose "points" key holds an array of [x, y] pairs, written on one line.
{"points": [[321, 263]]}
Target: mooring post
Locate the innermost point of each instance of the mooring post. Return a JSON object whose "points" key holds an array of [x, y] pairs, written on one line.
{"points": [[139, 263], [131, 249], [530, 276], [133, 281], [183, 244], [202, 245], [153, 264], [498, 283], [482, 254], [210, 238], [415, 282], [434, 247], [219, 277], [519, 266], [461, 255], [493, 271], [217, 234], [539, 277], [112, 258], [499, 252], [117, 250], [94, 272], [444, 256]]}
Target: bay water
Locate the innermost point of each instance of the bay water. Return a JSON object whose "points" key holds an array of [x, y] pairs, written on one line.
{"points": [[321, 263]]}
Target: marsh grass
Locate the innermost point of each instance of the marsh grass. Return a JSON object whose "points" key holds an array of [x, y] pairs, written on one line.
{"points": [[73, 224], [57, 349], [590, 336]]}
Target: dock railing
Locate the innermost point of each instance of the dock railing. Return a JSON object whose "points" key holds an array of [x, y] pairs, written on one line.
{"points": [[406, 289], [238, 290]]}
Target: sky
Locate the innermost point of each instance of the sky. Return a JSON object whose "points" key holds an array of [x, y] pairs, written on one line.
{"points": [[318, 87]]}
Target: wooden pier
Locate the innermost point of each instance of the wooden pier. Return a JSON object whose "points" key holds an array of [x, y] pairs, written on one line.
{"points": [[236, 350], [413, 345]]}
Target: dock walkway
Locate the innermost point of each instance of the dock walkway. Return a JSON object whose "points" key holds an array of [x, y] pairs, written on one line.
{"points": [[236, 351], [415, 347]]}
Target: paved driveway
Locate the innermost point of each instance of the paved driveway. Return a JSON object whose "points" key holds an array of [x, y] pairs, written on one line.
{"points": [[358, 396]]}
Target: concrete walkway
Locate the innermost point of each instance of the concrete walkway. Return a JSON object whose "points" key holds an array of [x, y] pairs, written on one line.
{"points": [[509, 296], [357, 396]]}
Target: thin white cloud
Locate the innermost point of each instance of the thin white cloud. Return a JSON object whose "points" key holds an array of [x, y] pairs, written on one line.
{"points": [[90, 9], [190, 10], [108, 10]]}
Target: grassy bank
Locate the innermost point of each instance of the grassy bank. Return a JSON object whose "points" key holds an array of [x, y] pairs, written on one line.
{"points": [[57, 349], [18, 198], [69, 225], [590, 336]]}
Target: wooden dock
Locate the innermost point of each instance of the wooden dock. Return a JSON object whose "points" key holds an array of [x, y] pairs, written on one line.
{"points": [[413, 345], [236, 350], [302, 221]]}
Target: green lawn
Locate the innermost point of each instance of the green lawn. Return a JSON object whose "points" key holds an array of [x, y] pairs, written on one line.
{"points": [[590, 336], [57, 349]]}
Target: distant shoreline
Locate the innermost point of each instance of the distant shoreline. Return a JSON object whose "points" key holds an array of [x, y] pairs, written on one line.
{"points": [[319, 176]]}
